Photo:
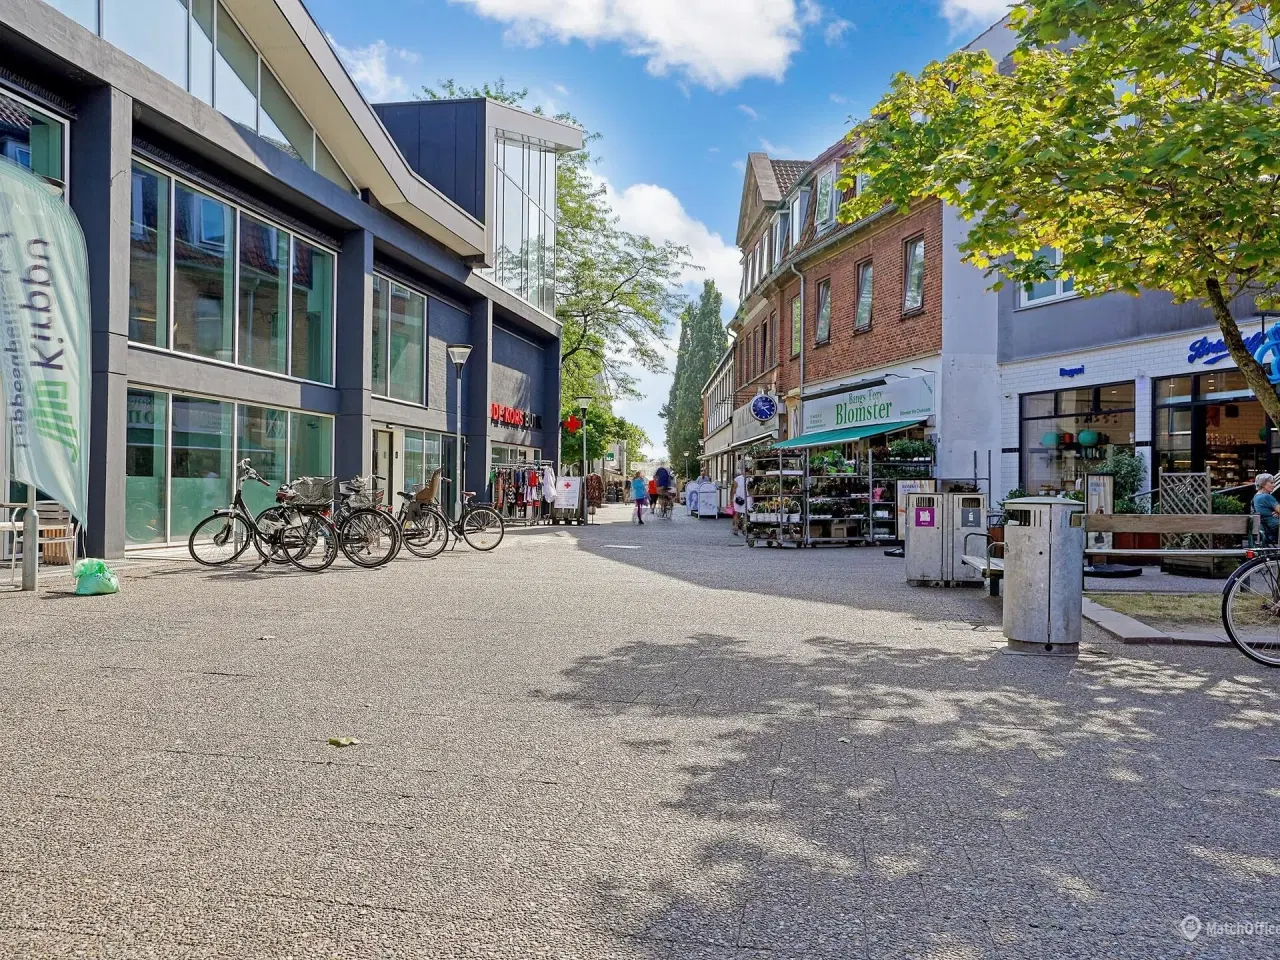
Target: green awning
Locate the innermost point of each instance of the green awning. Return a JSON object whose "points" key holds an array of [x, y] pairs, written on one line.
{"points": [[831, 438]]}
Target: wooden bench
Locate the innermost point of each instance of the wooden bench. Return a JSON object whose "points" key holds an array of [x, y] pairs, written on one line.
{"points": [[1243, 525]]}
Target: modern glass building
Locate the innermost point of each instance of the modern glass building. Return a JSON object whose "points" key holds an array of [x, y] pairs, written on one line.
{"points": [[277, 266]]}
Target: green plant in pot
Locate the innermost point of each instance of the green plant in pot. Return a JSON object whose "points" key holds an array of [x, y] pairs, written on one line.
{"points": [[906, 448]]}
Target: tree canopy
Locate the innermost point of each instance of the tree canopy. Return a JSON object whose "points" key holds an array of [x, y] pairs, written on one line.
{"points": [[703, 342], [1140, 139]]}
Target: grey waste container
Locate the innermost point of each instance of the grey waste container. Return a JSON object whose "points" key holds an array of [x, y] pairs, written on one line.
{"points": [[1043, 581], [937, 525]]}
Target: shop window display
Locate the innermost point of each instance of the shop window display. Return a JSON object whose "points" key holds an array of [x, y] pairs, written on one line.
{"points": [[1210, 422], [1067, 433]]}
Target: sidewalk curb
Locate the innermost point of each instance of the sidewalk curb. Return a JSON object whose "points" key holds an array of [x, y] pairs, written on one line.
{"points": [[1128, 630]]}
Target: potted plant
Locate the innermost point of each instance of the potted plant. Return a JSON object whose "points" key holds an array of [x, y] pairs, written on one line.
{"points": [[996, 530]]}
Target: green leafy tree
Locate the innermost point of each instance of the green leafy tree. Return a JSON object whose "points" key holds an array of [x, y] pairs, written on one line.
{"points": [[1141, 138], [603, 430], [703, 342], [616, 291]]}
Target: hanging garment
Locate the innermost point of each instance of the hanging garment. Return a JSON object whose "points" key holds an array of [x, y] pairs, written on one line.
{"points": [[548, 484], [595, 490]]}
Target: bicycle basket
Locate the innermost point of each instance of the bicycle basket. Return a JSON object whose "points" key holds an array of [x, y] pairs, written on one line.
{"points": [[357, 492], [313, 491]]}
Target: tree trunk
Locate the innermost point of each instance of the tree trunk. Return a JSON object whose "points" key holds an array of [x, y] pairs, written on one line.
{"points": [[1254, 374]]}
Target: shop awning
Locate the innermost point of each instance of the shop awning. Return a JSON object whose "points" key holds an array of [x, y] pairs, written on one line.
{"points": [[831, 438]]}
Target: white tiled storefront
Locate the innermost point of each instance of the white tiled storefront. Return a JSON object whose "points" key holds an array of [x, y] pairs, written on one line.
{"points": [[1140, 361]]}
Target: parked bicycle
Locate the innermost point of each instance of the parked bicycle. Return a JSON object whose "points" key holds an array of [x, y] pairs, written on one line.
{"points": [[480, 525], [281, 534], [421, 522], [368, 532], [1251, 607]]}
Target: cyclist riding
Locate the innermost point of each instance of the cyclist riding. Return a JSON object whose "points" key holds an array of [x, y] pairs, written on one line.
{"points": [[662, 481]]}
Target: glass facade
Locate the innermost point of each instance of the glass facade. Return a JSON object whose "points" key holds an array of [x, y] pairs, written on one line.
{"points": [[243, 290], [399, 342], [423, 454], [524, 227], [199, 46], [181, 453], [149, 258], [35, 140], [1211, 422], [1065, 433], [263, 291]]}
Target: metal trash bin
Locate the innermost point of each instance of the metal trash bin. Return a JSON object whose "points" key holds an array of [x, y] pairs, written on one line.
{"points": [[937, 525], [1043, 574]]}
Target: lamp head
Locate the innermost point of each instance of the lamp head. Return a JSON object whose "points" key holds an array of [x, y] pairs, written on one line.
{"points": [[584, 402], [458, 353]]}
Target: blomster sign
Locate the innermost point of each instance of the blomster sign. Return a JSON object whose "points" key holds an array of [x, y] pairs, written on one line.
{"points": [[892, 402]]}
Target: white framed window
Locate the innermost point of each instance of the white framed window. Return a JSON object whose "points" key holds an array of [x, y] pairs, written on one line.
{"points": [[862, 319], [825, 212], [913, 275], [799, 210], [1053, 288]]}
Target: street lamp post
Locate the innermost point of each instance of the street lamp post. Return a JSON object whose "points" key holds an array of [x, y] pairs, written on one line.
{"points": [[686, 465], [584, 402], [458, 354]]}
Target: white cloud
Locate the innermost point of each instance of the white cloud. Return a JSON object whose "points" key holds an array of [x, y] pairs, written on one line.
{"points": [[749, 111], [370, 68], [740, 166], [717, 43], [974, 14], [713, 149], [775, 151], [835, 30], [837, 98]]}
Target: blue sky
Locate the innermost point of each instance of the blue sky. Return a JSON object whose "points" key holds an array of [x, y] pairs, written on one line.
{"points": [[681, 90]]}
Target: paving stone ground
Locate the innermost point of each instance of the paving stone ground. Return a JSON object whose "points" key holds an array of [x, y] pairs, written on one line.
{"points": [[617, 742]]}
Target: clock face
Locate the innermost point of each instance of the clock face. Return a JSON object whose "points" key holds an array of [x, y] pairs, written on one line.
{"points": [[763, 407]]}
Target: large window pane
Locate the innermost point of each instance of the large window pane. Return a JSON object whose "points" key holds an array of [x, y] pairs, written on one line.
{"points": [[797, 327], [202, 49], [145, 496], [512, 252], [203, 275], [282, 123], [149, 258], [326, 166], [33, 140], [312, 313], [236, 73], [408, 323], [152, 31], [201, 467], [262, 436], [414, 461], [84, 12], [381, 314], [264, 277], [310, 446]]}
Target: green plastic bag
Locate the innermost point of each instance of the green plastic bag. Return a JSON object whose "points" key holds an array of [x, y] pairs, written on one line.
{"points": [[94, 577]]}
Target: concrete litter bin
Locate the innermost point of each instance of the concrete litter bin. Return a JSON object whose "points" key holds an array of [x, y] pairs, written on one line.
{"points": [[1043, 578]]}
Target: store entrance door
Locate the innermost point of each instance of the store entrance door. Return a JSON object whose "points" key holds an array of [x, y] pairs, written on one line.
{"points": [[383, 441]]}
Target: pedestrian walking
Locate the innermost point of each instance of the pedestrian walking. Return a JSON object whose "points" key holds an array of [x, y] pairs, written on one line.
{"points": [[740, 500], [639, 493], [653, 493]]}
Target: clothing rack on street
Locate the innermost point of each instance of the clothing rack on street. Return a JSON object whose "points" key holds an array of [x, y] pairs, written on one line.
{"points": [[519, 490]]}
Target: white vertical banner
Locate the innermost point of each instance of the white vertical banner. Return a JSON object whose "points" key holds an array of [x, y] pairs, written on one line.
{"points": [[44, 338]]}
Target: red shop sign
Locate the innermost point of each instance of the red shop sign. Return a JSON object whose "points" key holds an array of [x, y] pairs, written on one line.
{"points": [[513, 417]]}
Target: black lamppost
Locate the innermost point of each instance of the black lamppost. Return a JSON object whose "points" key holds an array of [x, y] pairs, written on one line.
{"points": [[458, 354]]}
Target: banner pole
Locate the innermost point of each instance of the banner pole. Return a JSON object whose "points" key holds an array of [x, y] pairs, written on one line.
{"points": [[30, 541]]}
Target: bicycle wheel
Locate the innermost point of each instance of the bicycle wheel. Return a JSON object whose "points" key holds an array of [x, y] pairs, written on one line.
{"points": [[219, 539], [368, 537], [311, 544], [424, 535], [1251, 610], [482, 528], [271, 550]]}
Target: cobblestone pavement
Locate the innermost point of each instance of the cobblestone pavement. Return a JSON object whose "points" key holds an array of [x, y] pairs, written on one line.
{"points": [[615, 741]]}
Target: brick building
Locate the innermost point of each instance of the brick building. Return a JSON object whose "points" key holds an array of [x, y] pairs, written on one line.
{"points": [[880, 304]]}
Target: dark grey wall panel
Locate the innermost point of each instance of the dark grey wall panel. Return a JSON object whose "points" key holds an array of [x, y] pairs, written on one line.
{"points": [[1084, 323], [443, 140], [518, 380], [446, 324]]}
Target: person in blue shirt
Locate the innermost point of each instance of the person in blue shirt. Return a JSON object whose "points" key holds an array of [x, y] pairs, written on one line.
{"points": [[662, 480], [1267, 507], [639, 493]]}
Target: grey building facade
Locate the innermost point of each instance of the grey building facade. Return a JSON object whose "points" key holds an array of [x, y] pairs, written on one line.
{"points": [[276, 267]]}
